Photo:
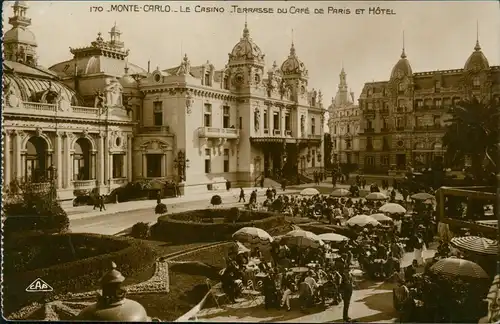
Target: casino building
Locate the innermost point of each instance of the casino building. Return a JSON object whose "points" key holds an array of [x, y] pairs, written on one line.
{"points": [[403, 118], [97, 121]]}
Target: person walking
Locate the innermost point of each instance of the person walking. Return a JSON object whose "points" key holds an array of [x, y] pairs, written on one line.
{"points": [[242, 195], [346, 290], [101, 203]]}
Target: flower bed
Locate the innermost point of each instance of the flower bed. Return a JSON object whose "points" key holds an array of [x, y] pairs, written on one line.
{"points": [[192, 226], [80, 274]]}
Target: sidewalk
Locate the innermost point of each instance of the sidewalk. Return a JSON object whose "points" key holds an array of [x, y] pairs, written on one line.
{"points": [[81, 212]]}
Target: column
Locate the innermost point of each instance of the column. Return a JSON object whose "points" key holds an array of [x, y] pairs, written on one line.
{"points": [[282, 122], [130, 173], [270, 117], [6, 153], [105, 165], [58, 163], [144, 166], [163, 164], [100, 160], [69, 161], [18, 172]]}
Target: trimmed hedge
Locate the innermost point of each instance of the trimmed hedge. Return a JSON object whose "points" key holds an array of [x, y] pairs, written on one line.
{"points": [[194, 226], [83, 274]]}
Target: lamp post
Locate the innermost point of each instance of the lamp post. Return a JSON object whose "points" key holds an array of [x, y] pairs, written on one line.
{"points": [[181, 163], [52, 175]]}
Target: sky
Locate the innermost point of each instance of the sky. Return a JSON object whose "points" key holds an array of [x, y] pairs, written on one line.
{"points": [[437, 35]]}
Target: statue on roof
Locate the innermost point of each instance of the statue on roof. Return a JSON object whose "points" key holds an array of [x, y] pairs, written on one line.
{"points": [[100, 99], [113, 92]]}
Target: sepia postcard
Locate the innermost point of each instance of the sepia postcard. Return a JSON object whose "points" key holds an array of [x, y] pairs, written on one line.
{"points": [[250, 161]]}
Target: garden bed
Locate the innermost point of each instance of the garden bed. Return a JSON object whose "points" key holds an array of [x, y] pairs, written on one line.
{"points": [[68, 263], [200, 225], [186, 288]]}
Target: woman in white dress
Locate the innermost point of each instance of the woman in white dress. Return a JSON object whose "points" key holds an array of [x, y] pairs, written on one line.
{"points": [[418, 249]]}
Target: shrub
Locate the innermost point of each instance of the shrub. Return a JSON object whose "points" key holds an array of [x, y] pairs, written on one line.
{"points": [[161, 209], [140, 230], [216, 200], [233, 215], [79, 268], [191, 226], [33, 206]]}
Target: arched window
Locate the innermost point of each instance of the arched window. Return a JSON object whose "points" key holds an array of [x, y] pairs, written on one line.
{"points": [[476, 82], [82, 160]]}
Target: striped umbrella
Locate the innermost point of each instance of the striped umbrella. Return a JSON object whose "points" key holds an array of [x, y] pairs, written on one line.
{"points": [[376, 196], [392, 208], [476, 244], [362, 221], [422, 196], [459, 268], [253, 237]]}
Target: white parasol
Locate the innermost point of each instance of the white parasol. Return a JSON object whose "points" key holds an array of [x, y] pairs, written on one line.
{"points": [[333, 237], [362, 220], [309, 192], [376, 196], [302, 238], [392, 208]]}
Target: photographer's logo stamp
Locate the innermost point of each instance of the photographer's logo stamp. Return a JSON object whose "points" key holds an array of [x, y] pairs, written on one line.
{"points": [[39, 286]]}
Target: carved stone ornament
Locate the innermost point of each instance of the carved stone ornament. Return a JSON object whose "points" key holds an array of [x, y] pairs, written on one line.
{"points": [[189, 102], [38, 131], [85, 132], [257, 119], [302, 124]]}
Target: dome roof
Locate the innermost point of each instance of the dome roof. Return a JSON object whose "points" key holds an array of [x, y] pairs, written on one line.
{"points": [[246, 49], [477, 60], [402, 67], [292, 64], [128, 81], [115, 29], [21, 35]]}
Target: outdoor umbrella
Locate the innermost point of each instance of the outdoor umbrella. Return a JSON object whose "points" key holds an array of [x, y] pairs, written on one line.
{"points": [[309, 192], [422, 196], [253, 237], [382, 218], [362, 220], [332, 237], [376, 196], [340, 193], [302, 238], [476, 244], [239, 248], [392, 208], [459, 268]]}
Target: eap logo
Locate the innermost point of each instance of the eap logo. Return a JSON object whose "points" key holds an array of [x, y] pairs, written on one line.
{"points": [[39, 286]]}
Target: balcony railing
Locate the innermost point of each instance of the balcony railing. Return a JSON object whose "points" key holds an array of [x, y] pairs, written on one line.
{"points": [[369, 130], [384, 111], [40, 106], [215, 132], [314, 136], [155, 129], [85, 110], [84, 184], [429, 127], [119, 181], [385, 129]]}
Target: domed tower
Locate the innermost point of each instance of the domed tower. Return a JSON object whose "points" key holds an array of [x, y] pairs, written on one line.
{"points": [[401, 91], [246, 63], [20, 42], [476, 79], [115, 41], [295, 76]]}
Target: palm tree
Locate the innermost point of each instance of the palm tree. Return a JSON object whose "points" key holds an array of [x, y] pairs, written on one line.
{"points": [[473, 132]]}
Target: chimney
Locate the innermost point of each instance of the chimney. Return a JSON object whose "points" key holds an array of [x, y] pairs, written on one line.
{"points": [[352, 96], [149, 66]]}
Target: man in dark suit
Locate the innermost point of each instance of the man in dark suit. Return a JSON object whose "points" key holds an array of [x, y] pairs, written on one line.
{"points": [[346, 291]]}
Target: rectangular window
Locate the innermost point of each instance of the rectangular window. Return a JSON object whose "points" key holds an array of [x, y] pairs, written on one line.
{"points": [[158, 113], [266, 121], [370, 106], [207, 79], [313, 126], [207, 121], [370, 160], [226, 117], [420, 103], [208, 161], [437, 102], [153, 165], [226, 160], [276, 121], [384, 160], [313, 159], [226, 83], [118, 165], [288, 124], [369, 143], [241, 122]]}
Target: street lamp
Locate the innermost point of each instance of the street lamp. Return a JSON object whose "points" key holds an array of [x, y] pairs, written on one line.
{"points": [[181, 163], [52, 175]]}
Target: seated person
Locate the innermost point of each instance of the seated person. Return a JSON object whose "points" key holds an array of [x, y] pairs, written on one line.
{"points": [[305, 295], [411, 270], [256, 253], [288, 285], [309, 279], [229, 286], [270, 292]]}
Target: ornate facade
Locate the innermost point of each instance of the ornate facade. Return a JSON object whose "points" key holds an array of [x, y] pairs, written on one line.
{"points": [[403, 119], [344, 124], [101, 121]]}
